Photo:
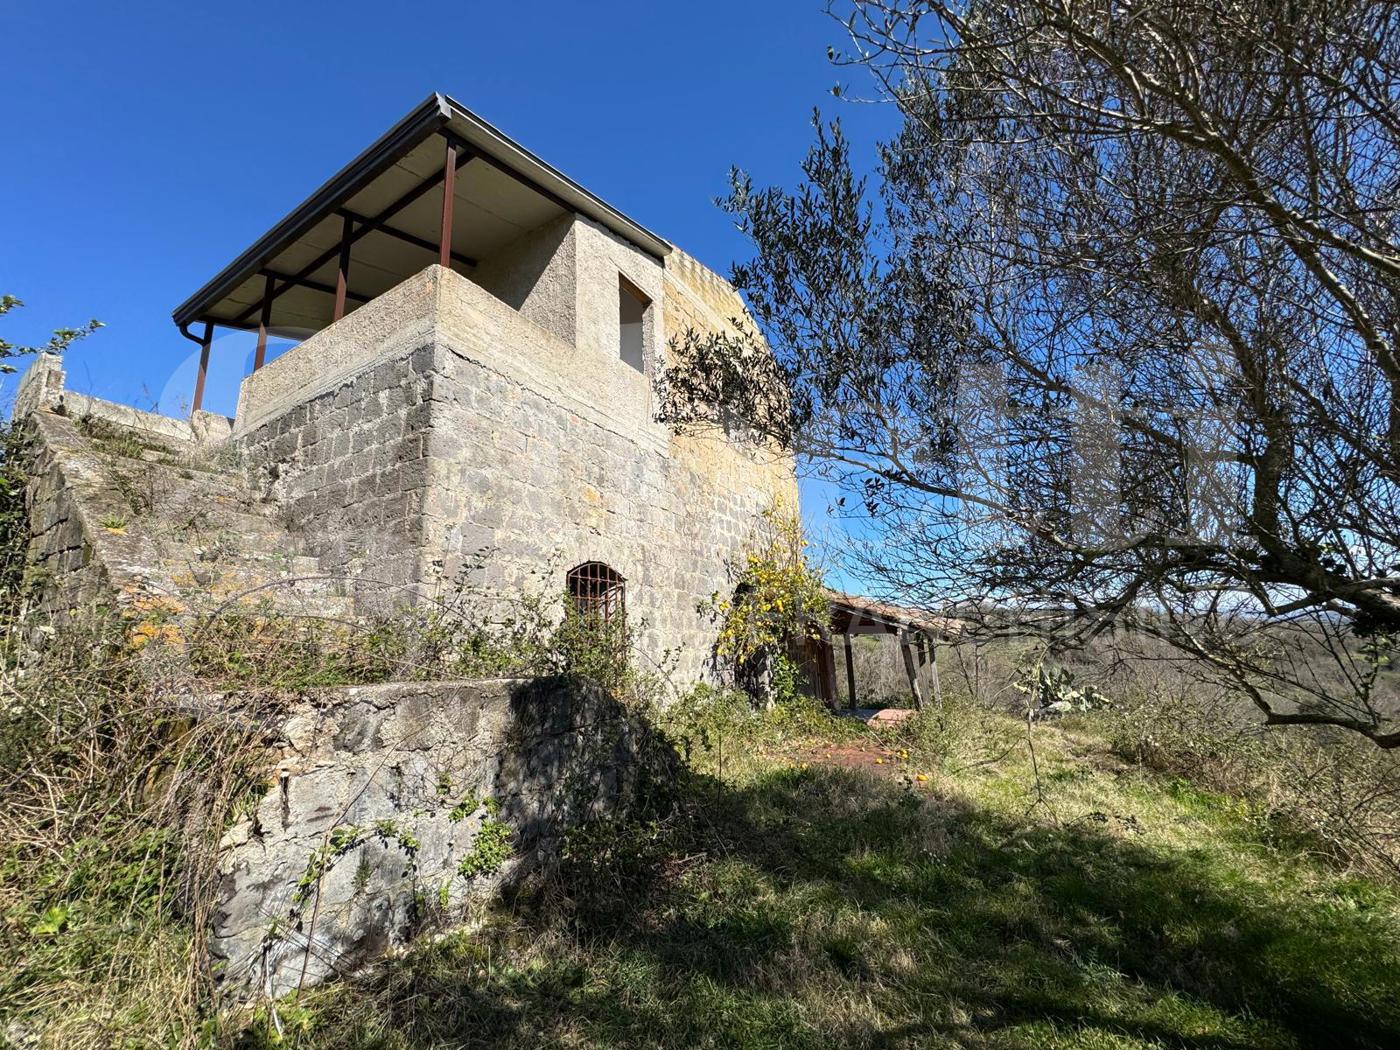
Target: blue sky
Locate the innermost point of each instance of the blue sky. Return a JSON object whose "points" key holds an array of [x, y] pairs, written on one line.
{"points": [[147, 144]]}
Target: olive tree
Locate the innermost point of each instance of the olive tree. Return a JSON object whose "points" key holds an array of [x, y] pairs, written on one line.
{"points": [[1109, 336]]}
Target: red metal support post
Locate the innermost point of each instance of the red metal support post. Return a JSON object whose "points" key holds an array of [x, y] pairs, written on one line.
{"points": [[263, 324], [342, 273], [204, 345], [449, 193], [367, 225]]}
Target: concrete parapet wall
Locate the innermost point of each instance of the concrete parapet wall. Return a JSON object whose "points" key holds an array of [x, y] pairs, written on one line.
{"points": [[390, 325], [42, 388]]}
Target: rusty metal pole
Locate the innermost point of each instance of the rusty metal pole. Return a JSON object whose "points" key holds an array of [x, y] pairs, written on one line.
{"points": [[342, 274], [449, 193], [204, 345], [263, 325]]}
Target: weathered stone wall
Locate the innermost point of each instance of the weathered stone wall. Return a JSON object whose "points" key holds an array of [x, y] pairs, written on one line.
{"points": [[74, 561], [602, 258], [338, 428], [373, 825], [392, 325], [42, 388], [545, 464], [442, 423], [695, 298], [137, 520], [63, 534]]}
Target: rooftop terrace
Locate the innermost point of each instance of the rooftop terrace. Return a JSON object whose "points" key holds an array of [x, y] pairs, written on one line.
{"points": [[440, 185]]}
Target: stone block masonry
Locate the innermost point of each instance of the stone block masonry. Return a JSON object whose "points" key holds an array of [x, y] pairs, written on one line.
{"points": [[385, 810], [392, 808], [471, 437], [488, 432]]}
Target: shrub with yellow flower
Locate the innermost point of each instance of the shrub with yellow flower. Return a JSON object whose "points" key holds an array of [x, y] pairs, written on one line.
{"points": [[778, 594]]}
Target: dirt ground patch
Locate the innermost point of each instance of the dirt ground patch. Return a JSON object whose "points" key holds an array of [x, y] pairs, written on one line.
{"points": [[891, 762]]}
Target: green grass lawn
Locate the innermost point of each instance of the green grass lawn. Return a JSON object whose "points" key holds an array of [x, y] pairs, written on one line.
{"points": [[801, 903]]}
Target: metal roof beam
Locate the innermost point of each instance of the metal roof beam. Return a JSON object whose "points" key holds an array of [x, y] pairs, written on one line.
{"points": [[330, 253], [380, 226], [315, 286]]}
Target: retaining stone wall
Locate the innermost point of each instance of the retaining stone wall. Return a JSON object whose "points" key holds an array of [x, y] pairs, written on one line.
{"points": [[404, 773]]}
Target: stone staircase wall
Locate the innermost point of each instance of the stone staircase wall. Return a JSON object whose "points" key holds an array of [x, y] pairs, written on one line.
{"points": [[124, 513], [389, 809]]}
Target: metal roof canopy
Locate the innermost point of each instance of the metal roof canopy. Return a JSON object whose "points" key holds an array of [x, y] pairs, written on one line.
{"points": [[378, 221]]}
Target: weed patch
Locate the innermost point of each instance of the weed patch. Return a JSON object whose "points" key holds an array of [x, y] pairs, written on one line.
{"points": [[111, 805], [820, 906]]}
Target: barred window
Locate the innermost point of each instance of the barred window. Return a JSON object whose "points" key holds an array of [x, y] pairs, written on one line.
{"points": [[598, 592]]}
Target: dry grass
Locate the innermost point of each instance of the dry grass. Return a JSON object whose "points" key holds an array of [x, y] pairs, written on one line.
{"points": [[1152, 876], [113, 796]]}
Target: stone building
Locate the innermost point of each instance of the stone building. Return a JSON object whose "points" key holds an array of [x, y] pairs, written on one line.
{"points": [[473, 386], [470, 400]]}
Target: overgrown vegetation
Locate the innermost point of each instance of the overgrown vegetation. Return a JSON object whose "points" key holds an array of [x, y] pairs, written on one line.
{"points": [[1148, 869], [778, 595], [775, 607], [112, 800], [14, 524], [131, 738], [1103, 332], [1337, 797], [242, 645], [817, 885]]}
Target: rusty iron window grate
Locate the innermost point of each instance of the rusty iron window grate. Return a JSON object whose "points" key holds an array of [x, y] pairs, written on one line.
{"points": [[598, 592]]}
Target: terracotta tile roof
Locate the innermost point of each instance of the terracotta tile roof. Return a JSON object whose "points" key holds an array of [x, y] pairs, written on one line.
{"points": [[904, 616]]}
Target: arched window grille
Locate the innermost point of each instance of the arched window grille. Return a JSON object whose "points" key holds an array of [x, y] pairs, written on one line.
{"points": [[598, 592]]}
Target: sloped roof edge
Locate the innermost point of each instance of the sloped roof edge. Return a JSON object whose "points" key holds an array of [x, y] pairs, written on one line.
{"points": [[437, 113], [899, 615]]}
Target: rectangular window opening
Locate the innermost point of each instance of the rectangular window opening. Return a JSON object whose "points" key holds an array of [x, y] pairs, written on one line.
{"points": [[632, 311]]}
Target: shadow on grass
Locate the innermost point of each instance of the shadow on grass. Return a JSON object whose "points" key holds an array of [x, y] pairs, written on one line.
{"points": [[827, 908]]}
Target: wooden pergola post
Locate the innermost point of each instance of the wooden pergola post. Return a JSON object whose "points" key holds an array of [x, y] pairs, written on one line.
{"points": [[826, 669], [911, 669], [850, 674], [933, 671]]}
